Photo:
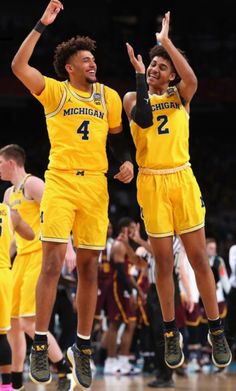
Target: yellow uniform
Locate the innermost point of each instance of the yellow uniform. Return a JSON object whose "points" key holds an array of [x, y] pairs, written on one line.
{"points": [[75, 197], [168, 192], [28, 261], [5, 269]]}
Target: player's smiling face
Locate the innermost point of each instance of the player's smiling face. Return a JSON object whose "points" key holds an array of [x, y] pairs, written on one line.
{"points": [[82, 66], [159, 72]]}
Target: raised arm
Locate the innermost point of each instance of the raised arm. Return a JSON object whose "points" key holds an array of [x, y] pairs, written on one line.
{"points": [[136, 104], [28, 75], [133, 257], [188, 84], [136, 237]]}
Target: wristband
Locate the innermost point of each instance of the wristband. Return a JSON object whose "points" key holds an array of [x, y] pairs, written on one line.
{"points": [[40, 27], [119, 147], [141, 82], [141, 113]]}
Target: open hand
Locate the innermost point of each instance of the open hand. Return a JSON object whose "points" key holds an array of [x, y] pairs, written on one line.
{"points": [[137, 62], [164, 33], [51, 12]]}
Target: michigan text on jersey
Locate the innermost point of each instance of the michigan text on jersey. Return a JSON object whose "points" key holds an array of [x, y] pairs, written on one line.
{"points": [[166, 105], [83, 111]]}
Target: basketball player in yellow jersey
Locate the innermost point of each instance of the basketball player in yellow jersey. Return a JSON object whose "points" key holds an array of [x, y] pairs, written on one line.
{"points": [[80, 114], [9, 221], [25, 196], [168, 193]]}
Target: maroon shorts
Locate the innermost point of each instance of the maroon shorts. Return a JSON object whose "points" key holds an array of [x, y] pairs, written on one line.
{"points": [[119, 307], [180, 316], [141, 313], [104, 289], [194, 318]]}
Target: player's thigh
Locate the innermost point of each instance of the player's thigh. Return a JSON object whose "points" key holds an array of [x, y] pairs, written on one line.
{"points": [[91, 220], [155, 205]]}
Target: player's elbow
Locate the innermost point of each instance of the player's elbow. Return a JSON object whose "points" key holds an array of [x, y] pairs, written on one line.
{"points": [[14, 66], [193, 82]]}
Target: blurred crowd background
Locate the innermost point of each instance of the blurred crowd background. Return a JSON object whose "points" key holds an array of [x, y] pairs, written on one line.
{"points": [[205, 31]]}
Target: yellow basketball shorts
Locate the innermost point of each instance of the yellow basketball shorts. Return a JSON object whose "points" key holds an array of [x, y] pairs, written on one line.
{"points": [[170, 203], [77, 203], [5, 299], [25, 270]]}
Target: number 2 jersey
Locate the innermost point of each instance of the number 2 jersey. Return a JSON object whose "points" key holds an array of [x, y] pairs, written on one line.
{"points": [[78, 124], [165, 144]]}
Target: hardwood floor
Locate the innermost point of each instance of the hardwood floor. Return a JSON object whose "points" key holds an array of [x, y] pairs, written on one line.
{"points": [[225, 381]]}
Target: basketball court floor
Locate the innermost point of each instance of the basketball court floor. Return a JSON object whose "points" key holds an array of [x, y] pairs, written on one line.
{"points": [[223, 381]]}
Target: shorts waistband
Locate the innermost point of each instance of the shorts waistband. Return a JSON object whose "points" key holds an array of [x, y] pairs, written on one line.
{"points": [[164, 171], [86, 173], [77, 172]]}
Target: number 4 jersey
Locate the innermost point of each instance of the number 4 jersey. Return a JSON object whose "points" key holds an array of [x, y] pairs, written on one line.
{"points": [[78, 124]]}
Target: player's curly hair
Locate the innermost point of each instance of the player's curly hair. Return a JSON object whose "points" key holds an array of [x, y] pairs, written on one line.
{"points": [[159, 51], [67, 49]]}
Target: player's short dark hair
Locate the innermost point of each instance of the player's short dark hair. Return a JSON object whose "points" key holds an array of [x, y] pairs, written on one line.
{"points": [[14, 152], [124, 222], [159, 51], [67, 49]]}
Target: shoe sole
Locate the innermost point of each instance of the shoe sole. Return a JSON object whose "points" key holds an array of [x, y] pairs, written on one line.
{"points": [[35, 381], [182, 358], [212, 357], [73, 385], [70, 357]]}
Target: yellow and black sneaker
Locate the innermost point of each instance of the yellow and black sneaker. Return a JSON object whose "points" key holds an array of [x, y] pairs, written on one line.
{"points": [[81, 367], [221, 353], [174, 356], [39, 365]]}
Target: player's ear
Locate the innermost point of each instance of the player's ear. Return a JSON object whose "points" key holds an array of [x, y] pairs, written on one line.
{"points": [[68, 68], [172, 76]]}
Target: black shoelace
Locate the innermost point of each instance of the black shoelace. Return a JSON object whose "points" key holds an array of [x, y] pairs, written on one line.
{"points": [[173, 345], [220, 346], [41, 363], [83, 360]]}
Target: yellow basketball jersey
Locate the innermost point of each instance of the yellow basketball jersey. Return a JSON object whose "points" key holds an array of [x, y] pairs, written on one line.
{"points": [[29, 211], [5, 236], [165, 144], [78, 124]]}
